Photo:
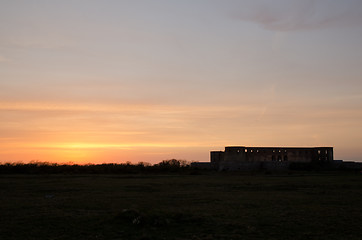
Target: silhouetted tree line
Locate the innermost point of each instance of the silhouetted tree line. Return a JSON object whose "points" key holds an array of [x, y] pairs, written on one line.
{"points": [[165, 166], [172, 165]]}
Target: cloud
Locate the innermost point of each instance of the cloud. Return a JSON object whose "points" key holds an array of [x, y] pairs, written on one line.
{"points": [[3, 59], [301, 15], [51, 45]]}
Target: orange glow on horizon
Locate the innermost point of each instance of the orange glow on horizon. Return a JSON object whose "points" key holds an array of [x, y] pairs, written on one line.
{"points": [[151, 133], [86, 152]]}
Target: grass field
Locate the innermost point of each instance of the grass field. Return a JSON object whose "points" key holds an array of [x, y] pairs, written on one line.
{"points": [[212, 206]]}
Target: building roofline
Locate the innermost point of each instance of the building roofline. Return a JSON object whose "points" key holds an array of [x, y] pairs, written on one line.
{"points": [[279, 147]]}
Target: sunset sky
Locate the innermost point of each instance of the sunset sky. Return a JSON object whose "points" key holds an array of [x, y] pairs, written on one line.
{"points": [[89, 81]]}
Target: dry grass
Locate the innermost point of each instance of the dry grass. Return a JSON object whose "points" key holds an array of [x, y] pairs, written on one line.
{"points": [[217, 206]]}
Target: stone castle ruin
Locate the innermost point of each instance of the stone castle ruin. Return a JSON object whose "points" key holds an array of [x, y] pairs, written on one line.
{"points": [[239, 158], [270, 158]]}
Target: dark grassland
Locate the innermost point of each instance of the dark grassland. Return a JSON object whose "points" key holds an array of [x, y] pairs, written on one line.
{"points": [[209, 206]]}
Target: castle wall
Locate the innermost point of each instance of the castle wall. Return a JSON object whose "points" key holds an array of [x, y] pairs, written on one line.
{"points": [[235, 154], [249, 158], [241, 158], [216, 157], [271, 154], [253, 166]]}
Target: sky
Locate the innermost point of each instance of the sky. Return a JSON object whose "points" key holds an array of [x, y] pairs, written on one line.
{"points": [[91, 81]]}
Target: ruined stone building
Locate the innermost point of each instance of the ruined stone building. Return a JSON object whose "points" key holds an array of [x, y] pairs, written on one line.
{"points": [[272, 154], [249, 158]]}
